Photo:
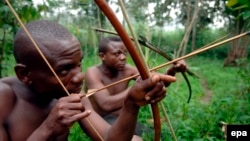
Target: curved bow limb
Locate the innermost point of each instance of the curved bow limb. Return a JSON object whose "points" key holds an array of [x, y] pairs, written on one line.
{"points": [[140, 64], [144, 42]]}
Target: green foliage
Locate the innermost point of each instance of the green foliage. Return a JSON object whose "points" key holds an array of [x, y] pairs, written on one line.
{"points": [[76, 134], [89, 43], [219, 94], [241, 10], [207, 36], [244, 73], [167, 41], [9, 26], [220, 99]]}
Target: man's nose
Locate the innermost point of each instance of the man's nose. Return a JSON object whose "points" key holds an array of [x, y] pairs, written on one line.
{"points": [[123, 56], [78, 77]]}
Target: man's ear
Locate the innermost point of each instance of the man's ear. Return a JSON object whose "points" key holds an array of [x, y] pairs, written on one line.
{"points": [[23, 73], [101, 55]]}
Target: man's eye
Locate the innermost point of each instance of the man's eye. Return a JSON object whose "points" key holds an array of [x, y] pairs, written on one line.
{"points": [[64, 72], [116, 53], [125, 53], [80, 63]]}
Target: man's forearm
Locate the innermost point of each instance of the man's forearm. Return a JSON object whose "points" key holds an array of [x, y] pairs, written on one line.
{"points": [[124, 127], [41, 134]]}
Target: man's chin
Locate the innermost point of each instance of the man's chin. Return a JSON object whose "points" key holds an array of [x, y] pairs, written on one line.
{"points": [[120, 68], [76, 91], [66, 94], [60, 96]]}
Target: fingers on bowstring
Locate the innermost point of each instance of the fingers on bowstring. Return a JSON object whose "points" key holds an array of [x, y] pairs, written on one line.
{"points": [[162, 77], [157, 92], [81, 115]]}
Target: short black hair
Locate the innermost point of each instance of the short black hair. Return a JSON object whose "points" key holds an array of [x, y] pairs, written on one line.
{"points": [[40, 29], [105, 41]]}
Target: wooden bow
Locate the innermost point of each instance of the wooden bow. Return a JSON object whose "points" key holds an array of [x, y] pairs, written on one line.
{"points": [[140, 64], [134, 54]]}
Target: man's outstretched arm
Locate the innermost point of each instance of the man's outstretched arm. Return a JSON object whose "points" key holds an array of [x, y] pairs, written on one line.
{"points": [[142, 92]]}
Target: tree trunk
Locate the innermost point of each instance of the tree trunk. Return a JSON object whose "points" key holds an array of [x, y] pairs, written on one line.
{"points": [[191, 22], [194, 37], [238, 51], [238, 48]]}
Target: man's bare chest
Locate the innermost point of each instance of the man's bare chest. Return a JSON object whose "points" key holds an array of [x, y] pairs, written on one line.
{"points": [[24, 119], [117, 87]]}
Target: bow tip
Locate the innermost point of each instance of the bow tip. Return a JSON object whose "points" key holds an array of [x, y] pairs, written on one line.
{"points": [[248, 32]]}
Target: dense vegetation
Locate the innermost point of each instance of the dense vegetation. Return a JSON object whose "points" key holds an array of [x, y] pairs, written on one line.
{"points": [[220, 94]]}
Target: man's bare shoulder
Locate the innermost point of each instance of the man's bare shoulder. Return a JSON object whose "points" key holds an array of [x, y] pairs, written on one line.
{"points": [[128, 66], [6, 86], [93, 74], [92, 70], [7, 95], [131, 69]]}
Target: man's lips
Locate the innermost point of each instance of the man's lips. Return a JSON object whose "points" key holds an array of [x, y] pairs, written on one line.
{"points": [[122, 65], [76, 89]]}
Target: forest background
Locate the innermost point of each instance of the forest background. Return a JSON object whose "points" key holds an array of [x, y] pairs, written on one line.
{"points": [[177, 27]]}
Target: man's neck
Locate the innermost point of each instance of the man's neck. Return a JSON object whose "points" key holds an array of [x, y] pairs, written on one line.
{"points": [[109, 72], [26, 93]]}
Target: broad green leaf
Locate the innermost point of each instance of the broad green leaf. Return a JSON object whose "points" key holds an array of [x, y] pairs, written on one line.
{"points": [[240, 7], [231, 3], [6, 26], [244, 2], [246, 15]]}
